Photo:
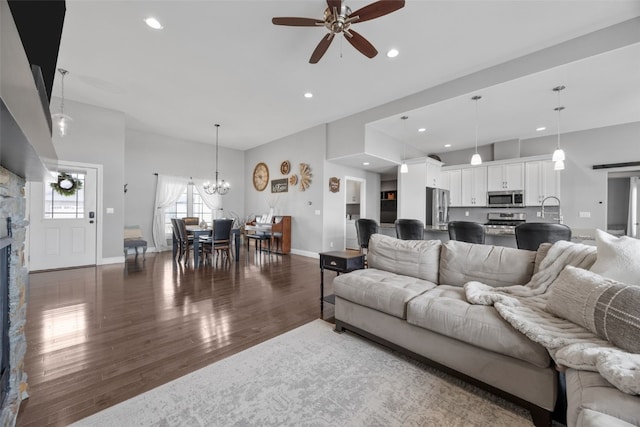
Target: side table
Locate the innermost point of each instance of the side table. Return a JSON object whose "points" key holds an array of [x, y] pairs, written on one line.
{"points": [[340, 262]]}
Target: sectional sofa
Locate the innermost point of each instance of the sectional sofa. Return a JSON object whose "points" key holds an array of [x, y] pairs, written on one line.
{"points": [[412, 299]]}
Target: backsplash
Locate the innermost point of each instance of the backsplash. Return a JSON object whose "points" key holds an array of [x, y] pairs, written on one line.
{"points": [[480, 214]]}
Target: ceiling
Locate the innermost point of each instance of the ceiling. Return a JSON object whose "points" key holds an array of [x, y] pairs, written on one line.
{"points": [[224, 62]]}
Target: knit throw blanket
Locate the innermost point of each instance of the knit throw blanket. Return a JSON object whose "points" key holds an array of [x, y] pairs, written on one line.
{"points": [[569, 344]]}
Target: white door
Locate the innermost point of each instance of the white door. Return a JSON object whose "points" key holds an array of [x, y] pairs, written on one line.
{"points": [[63, 230]]}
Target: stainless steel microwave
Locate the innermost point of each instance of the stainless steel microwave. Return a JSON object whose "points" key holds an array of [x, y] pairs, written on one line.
{"points": [[505, 199]]}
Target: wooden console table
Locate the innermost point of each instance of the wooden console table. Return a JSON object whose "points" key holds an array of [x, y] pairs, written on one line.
{"points": [[340, 262]]}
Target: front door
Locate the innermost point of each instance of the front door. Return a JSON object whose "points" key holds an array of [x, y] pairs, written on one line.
{"points": [[63, 230]]}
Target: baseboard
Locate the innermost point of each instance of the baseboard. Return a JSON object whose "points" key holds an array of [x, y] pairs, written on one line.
{"points": [[112, 260], [305, 253]]}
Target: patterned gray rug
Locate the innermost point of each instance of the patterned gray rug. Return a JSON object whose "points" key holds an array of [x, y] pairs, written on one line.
{"points": [[312, 376]]}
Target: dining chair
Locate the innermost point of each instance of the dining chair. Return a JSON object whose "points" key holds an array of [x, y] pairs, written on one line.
{"points": [[531, 235], [185, 242], [466, 231], [409, 229], [219, 242], [191, 220]]}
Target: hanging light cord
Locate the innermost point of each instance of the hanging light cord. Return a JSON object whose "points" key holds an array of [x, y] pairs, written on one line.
{"points": [[477, 98], [558, 109], [217, 127]]}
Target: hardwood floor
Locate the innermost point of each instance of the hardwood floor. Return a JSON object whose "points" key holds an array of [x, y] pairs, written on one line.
{"points": [[100, 335]]}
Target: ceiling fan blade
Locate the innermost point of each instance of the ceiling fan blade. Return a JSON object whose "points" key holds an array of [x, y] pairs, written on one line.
{"points": [[377, 9], [334, 3], [321, 48], [297, 22], [360, 43]]}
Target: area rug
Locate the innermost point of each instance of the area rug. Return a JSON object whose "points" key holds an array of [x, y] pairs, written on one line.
{"points": [[312, 376]]}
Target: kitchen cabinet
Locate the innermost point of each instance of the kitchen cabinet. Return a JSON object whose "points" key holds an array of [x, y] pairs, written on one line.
{"points": [[434, 175], [541, 181], [452, 180], [505, 177], [353, 191], [474, 187]]}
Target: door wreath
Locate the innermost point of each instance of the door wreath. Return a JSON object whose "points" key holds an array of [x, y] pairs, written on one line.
{"points": [[66, 185]]}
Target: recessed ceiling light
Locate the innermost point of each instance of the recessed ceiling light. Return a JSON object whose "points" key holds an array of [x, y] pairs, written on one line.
{"points": [[422, 129], [308, 95], [392, 53], [447, 145], [365, 163], [153, 23], [541, 128]]}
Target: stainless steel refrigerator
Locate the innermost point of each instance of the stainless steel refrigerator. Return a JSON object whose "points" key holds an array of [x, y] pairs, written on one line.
{"points": [[437, 207]]}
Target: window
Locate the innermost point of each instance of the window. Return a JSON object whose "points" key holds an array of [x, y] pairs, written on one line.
{"points": [[188, 204], [58, 206]]}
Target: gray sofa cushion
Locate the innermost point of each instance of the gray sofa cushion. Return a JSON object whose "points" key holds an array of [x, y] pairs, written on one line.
{"points": [[380, 290], [588, 390], [416, 258], [446, 311], [461, 262]]}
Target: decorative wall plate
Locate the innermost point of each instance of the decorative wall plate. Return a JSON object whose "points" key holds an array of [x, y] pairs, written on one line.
{"points": [[293, 180], [285, 167], [260, 176], [334, 184], [305, 176]]}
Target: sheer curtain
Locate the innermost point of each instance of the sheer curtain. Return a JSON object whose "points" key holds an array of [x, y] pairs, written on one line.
{"points": [[213, 201], [632, 222], [167, 192]]}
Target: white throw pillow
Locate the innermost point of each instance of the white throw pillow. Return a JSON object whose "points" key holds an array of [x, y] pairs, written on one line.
{"points": [[618, 258]]}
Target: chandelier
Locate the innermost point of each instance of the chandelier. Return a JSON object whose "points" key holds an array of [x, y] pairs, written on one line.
{"points": [[220, 186], [61, 120]]}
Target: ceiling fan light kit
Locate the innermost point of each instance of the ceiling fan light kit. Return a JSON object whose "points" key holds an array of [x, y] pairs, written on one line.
{"points": [[338, 18]]}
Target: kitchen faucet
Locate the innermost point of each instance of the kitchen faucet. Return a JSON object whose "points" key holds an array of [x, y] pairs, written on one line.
{"points": [[560, 219]]}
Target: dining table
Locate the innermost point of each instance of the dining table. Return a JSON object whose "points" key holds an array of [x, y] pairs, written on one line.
{"points": [[196, 231]]}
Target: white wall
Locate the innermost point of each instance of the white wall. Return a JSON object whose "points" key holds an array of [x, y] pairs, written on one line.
{"points": [[97, 135], [334, 203], [146, 154], [304, 147]]}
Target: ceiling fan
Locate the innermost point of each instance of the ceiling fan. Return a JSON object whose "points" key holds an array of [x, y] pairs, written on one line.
{"points": [[338, 19]]}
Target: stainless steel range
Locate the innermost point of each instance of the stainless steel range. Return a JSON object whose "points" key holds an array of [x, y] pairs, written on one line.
{"points": [[504, 220]]}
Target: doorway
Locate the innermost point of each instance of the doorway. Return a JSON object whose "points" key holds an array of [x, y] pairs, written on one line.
{"points": [[623, 203], [63, 230], [355, 208]]}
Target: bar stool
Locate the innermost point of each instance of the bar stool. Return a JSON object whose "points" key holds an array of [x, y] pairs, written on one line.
{"points": [[466, 231], [530, 235]]}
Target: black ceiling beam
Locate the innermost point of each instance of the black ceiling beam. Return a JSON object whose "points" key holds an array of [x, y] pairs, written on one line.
{"points": [[616, 165], [39, 24]]}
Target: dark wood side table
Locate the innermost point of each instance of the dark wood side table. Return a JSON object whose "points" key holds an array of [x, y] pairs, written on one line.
{"points": [[340, 262]]}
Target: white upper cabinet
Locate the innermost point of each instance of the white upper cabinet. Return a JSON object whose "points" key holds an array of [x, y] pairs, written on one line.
{"points": [[452, 180], [353, 191], [505, 177], [434, 175], [474, 187], [541, 181]]}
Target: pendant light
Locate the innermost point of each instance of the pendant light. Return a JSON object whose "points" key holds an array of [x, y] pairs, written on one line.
{"points": [[558, 154], [220, 186], [403, 167], [61, 120], [476, 159]]}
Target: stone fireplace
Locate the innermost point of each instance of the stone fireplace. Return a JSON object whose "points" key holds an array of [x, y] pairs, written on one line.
{"points": [[12, 213]]}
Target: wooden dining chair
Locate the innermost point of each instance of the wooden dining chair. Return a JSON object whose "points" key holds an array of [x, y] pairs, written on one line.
{"points": [[219, 242], [185, 242], [191, 220]]}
